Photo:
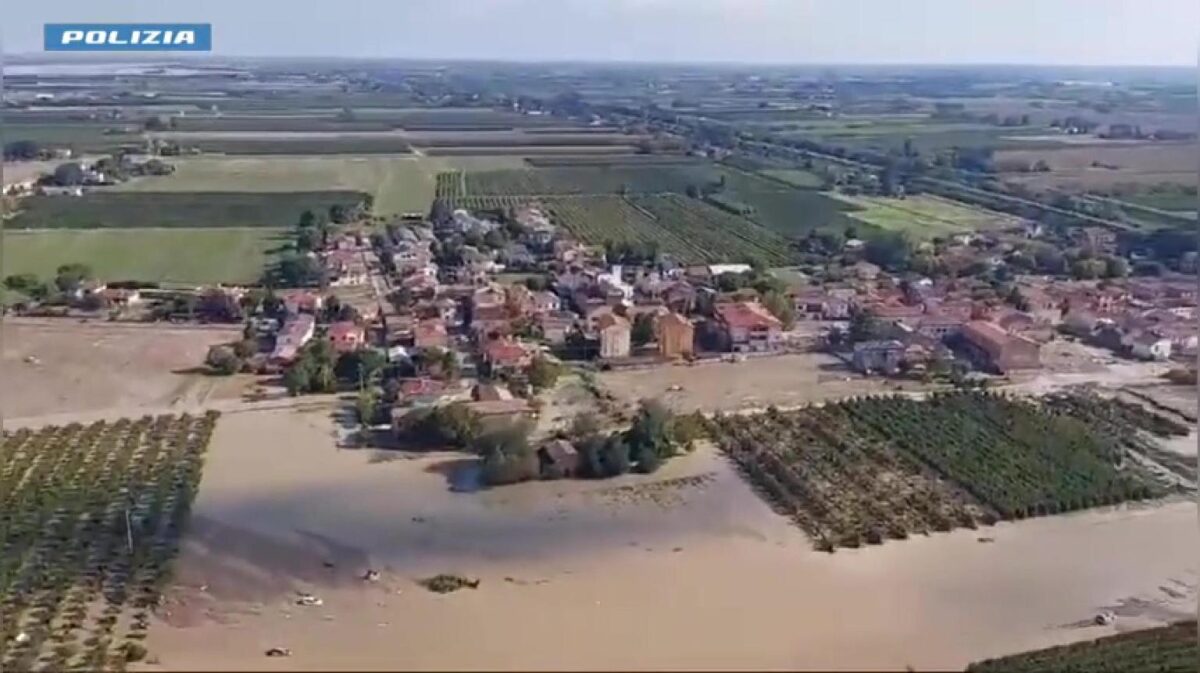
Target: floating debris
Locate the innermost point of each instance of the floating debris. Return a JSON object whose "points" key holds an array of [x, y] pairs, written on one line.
{"points": [[371, 575], [1105, 618], [444, 584], [309, 600], [279, 652]]}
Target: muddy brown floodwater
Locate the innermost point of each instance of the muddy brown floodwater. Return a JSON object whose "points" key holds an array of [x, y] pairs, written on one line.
{"points": [[685, 569]]}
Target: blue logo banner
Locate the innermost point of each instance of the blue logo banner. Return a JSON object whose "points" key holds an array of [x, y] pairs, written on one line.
{"points": [[128, 37]]}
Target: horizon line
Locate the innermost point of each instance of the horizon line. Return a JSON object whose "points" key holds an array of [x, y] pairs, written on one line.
{"points": [[167, 56]]}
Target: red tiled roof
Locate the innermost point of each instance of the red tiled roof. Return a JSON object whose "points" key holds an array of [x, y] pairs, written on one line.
{"points": [[746, 315], [421, 387], [989, 336], [431, 328], [610, 320], [344, 329], [505, 352]]}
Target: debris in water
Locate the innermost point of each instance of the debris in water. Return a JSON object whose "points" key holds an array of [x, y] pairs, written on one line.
{"points": [[21, 638], [987, 539], [279, 652], [309, 600], [444, 584], [1105, 618], [327, 564], [371, 575]]}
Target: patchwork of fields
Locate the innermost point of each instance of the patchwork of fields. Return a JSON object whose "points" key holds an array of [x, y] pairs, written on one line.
{"points": [[398, 183], [748, 216], [170, 256]]}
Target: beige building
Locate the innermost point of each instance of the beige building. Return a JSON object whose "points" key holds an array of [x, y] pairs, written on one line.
{"points": [[614, 336]]}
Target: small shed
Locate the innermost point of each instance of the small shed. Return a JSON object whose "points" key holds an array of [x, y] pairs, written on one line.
{"points": [[558, 458]]}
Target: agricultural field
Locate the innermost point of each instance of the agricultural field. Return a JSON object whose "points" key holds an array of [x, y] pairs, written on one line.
{"points": [[91, 519], [105, 209], [399, 183], [1166, 649], [689, 230], [518, 138], [890, 132], [1171, 201], [866, 470], [794, 177], [631, 179], [169, 256], [83, 138], [337, 144], [788, 211], [1104, 166], [924, 217], [298, 123], [530, 151], [615, 160]]}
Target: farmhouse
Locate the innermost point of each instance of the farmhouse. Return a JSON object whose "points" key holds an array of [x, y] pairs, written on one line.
{"points": [[296, 332], [746, 326], [614, 333], [878, 356], [992, 348], [676, 336], [505, 356]]}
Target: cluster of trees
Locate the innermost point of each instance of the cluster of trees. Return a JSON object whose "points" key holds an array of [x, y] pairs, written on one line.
{"points": [[655, 435], [507, 455], [67, 279], [229, 359], [22, 150], [314, 370], [635, 253]]}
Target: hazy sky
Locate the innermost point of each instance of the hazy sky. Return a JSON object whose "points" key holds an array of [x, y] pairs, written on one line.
{"points": [[1090, 32]]}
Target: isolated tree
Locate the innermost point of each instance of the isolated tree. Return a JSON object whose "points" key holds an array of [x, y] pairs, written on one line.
{"points": [[21, 150], [615, 456], [339, 213], [154, 124], [585, 424], [70, 276], [223, 360], [780, 307], [543, 373], [648, 461], [642, 331], [68, 175], [366, 406]]}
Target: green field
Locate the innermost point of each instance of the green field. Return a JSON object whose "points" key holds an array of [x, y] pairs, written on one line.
{"points": [[632, 179], [1175, 201], [187, 256], [81, 137], [1166, 649], [794, 177], [791, 212], [924, 217], [299, 146], [101, 210], [398, 183]]}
